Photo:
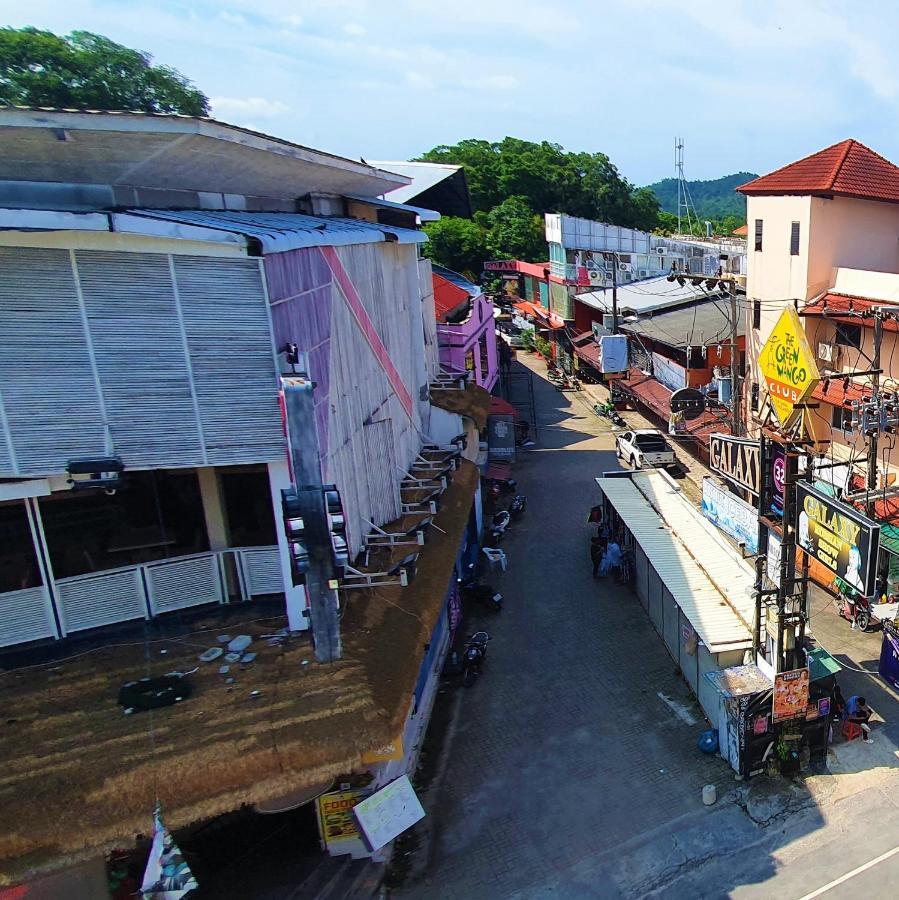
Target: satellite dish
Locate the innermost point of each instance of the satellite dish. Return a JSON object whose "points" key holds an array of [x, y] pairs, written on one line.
{"points": [[688, 401]]}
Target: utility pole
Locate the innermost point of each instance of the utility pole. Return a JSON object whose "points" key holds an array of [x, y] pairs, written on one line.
{"points": [[875, 394], [736, 388], [614, 293]]}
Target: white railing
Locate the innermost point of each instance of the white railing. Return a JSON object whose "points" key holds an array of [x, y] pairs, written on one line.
{"points": [[136, 592]]}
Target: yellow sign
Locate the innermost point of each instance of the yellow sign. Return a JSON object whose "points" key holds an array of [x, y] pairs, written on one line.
{"points": [[391, 751], [787, 366], [335, 812]]}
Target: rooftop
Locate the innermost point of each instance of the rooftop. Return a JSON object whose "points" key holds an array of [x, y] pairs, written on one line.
{"points": [[80, 777], [848, 169], [172, 153], [441, 186], [701, 323], [646, 295]]}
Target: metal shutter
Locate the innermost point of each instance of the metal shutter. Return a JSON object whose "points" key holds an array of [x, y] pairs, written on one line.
{"points": [[262, 570], [88, 601], [25, 616], [46, 380], [138, 347], [229, 338], [381, 471], [183, 582]]}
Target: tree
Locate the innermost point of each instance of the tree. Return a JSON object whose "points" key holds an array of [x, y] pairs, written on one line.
{"points": [[515, 231], [459, 244], [88, 71]]}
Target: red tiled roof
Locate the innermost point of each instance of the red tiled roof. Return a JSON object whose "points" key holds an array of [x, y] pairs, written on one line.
{"points": [[447, 296], [832, 391], [742, 231], [657, 398], [849, 169], [524, 307], [834, 304]]}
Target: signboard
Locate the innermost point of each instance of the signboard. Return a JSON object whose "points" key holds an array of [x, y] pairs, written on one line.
{"points": [[773, 562], [838, 536], [688, 401], [731, 514], [389, 812], [335, 814], [790, 695], [889, 654], [502, 265], [387, 753], [787, 366], [779, 479], [668, 373], [500, 436], [739, 460]]}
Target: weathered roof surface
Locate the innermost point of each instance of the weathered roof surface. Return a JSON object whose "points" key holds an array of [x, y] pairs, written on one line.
{"points": [[77, 777], [848, 169], [448, 297], [703, 322], [702, 602], [422, 175], [473, 402], [643, 296]]}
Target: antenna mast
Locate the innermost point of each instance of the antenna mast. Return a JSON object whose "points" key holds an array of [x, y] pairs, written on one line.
{"points": [[685, 207]]}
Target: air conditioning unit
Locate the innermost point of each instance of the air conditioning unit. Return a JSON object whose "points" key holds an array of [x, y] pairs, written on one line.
{"points": [[827, 352], [644, 273], [661, 250], [624, 267], [596, 276]]}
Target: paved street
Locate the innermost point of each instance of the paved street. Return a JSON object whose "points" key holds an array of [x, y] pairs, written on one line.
{"points": [[572, 769]]}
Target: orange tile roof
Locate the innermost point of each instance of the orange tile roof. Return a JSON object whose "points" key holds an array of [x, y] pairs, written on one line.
{"points": [[848, 169], [448, 297], [839, 307], [742, 231]]}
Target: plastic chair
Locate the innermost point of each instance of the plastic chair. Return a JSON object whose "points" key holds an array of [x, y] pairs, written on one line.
{"points": [[494, 556], [851, 730]]}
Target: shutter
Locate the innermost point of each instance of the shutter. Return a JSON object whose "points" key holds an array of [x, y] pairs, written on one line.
{"points": [[794, 239], [262, 571], [381, 471], [25, 616], [229, 337], [758, 234], [46, 380], [88, 601], [133, 319], [184, 582]]}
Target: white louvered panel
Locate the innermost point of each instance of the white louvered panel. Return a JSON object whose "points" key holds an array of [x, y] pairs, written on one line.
{"points": [[262, 570], [230, 343], [134, 324], [88, 601], [25, 616], [381, 471], [48, 387], [183, 582]]}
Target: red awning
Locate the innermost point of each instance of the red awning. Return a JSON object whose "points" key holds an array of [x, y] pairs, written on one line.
{"points": [[550, 319], [501, 471], [524, 307], [500, 407]]}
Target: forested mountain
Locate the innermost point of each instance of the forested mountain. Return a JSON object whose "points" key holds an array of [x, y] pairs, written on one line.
{"points": [[715, 199]]}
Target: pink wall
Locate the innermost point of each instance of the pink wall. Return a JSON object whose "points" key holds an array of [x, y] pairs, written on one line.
{"points": [[456, 341]]}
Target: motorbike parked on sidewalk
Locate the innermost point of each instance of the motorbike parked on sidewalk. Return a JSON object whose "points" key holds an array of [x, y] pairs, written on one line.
{"points": [[482, 594], [498, 525], [500, 486], [518, 505], [856, 610], [474, 656]]}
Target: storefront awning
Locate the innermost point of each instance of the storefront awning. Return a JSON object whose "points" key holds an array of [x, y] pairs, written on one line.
{"points": [[501, 407]]}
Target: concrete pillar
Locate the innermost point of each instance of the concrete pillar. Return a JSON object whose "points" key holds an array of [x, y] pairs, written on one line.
{"points": [[213, 508], [297, 602]]}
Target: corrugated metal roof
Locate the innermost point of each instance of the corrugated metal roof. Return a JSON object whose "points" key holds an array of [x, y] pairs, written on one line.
{"points": [[424, 176], [702, 602], [426, 215], [645, 295], [277, 232], [700, 322]]}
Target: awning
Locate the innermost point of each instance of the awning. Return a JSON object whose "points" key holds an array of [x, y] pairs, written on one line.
{"points": [[549, 319], [832, 305], [500, 471], [525, 307], [821, 664], [501, 407], [588, 353]]}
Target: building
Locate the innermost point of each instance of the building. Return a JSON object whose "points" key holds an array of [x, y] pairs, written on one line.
{"points": [[822, 236], [435, 186], [466, 333], [168, 281]]}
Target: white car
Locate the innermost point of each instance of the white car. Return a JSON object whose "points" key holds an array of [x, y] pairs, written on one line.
{"points": [[644, 447]]}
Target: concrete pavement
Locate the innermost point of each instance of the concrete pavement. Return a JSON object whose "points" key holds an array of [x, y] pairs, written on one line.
{"points": [[572, 769]]}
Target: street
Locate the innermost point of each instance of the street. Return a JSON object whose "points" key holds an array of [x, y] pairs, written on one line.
{"points": [[571, 767]]}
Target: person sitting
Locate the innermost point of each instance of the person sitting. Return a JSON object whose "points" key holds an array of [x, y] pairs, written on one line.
{"points": [[612, 559], [858, 712]]}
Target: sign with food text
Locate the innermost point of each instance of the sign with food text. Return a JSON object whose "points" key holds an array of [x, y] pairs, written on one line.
{"points": [[839, 537], [790, 695], [787, 366], [335, 813], [737, 459]]}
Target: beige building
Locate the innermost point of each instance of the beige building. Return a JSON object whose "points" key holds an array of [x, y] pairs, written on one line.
{"points": [[824, 235]]}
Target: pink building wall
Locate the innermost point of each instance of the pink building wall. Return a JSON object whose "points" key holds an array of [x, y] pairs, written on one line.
{"points": [[476, 333]]}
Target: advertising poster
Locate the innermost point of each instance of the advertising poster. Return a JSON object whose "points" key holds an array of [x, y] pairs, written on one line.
{"points": [[500, 437], [737, 459], [772, 568], [790, 695], [335, 813], [889, 654], [779, 477], [731, 514], [838, 536]]}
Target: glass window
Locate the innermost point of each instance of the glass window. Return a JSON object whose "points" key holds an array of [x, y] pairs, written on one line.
{"points": [[18, 562], [153, 515], [248, 506], [849, 335], [758, 234], [794, 239], [839, 418]]}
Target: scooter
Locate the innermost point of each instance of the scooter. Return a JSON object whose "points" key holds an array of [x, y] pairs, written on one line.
{"points": [[499, 486], [498, 524], [856, 610], [518, 505], [474, 656], [482, 594]]}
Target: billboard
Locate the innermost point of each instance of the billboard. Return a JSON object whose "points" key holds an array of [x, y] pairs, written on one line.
{"points": [[737, 459], [731, 514], [838, 536]]}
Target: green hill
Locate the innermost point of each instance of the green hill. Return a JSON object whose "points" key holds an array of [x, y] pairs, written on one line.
{"points": [[713, 199]]}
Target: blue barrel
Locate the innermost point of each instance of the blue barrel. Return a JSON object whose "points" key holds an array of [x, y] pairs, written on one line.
{"points": [[708, 741]]}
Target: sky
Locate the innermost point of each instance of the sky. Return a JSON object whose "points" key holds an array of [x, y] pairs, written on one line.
{"points": [[750, 86]]}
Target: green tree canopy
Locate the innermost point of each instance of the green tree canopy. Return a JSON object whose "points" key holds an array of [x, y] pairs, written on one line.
{"points": [[88, 71], [515, 231], [459, 244], [550, 178]]}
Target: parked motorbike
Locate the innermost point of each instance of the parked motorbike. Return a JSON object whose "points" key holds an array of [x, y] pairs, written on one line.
{"points": [[498, 525], [483, 594], [518, 505], [474, 656], [499, 486], [855, 609], [616, 419], [575, 383]]}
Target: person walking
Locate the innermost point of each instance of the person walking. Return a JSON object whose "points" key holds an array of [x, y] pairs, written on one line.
{"points": [[597, 550]]}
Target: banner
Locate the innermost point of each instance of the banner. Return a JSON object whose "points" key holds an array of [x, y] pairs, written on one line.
{"points": [[779, 478], [731, 514], [737, 459], [790, 695], [838, 536], [167, 876], [669, 373], [889, 654]]}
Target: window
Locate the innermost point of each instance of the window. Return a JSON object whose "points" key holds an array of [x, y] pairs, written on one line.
{"points": [[849, 335], [754, 397], [794, 239], [758, 234], [756, 313], [839, 417]]}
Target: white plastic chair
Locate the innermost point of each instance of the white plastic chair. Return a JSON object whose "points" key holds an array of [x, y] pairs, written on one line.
{"points": [[494, 555]]}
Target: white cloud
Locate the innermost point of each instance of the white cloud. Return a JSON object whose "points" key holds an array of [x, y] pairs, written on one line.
{"points": [[237, 107], [232, 18], [353, 29], [419, 81], [294, 21]]}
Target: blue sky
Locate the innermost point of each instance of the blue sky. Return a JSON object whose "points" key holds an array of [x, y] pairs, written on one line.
{"points": [[749, 85]]}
